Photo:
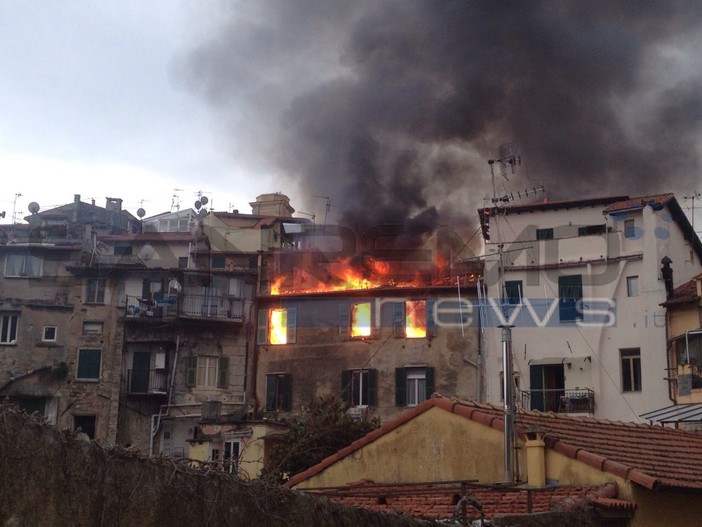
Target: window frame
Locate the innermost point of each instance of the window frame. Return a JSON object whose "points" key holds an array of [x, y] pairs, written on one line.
{"points": [[96, 323], [544, 233], [630, 228], [93, 372], [630, 364], [402, 378], [95, 290], [44, 338], [21, 272], [263, 334], [512, 287], [9, 328], [632, 286], [358, 387], [278, 392], [568, 305], [90, 431], [193, 367]]}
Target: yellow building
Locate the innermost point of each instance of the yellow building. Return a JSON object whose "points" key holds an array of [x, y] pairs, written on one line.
{"points": [[643, 475]]}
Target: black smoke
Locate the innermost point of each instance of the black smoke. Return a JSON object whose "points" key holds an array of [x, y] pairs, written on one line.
{"points": [[392, 108]]}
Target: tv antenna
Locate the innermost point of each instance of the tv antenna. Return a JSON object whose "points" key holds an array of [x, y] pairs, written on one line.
{"points": [[695, 195], [14, 207], [175, 199], [327, 208]]}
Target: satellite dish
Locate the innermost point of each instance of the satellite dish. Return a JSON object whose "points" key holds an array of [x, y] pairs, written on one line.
{"points": [[147, 253], [204, 200], [141, 213], [198, 204], [33, 207]]}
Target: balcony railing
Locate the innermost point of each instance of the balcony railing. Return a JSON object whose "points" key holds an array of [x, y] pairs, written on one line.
{"points": [[147, 381], [576, 401], [188, 306]]}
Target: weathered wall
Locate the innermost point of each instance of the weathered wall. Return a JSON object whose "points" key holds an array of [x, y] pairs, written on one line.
{"points": [[49, 478]]}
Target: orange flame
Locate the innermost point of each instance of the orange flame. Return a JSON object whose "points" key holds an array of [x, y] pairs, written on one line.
{"points": [[415, 319], [361, 320], [278, 326]]}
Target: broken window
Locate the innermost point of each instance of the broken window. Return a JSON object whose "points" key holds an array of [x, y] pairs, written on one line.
{"points": [[277, 326], [415, 319]]}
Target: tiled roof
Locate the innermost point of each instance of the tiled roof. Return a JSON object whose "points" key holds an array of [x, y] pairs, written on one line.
{"points": [[556, 205], [652, 456], [639, 202], [684, 293]]}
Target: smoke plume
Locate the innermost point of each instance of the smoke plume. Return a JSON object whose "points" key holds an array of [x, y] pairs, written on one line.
{"points": [[393, 108]]}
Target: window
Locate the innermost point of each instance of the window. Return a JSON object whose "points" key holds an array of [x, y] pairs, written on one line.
{"points": [[123, 250], [591, 230], [632, 286], [230, 461], [207, 372], [86, 424], [415, 319], [48, 334], [183, 262], [8, 328], [218, 261], [95, 291], [277, 326], [23, 265], [358, 387], [631, 369], [278, 392], [152, 289], [356, 321], [93, 327], [413, 385], [570, 293], [31, 405], [513, 291], [629, 229], [89, 364], [544, 234]]}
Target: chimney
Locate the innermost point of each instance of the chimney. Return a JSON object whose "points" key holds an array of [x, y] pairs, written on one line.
{"points": [[113, 204], [667, 274], [76, 207], [276, 204], [535, 457]]}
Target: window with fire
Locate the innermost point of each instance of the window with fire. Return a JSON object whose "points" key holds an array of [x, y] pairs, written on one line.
{"points": [[277, 326], [414, 319]]}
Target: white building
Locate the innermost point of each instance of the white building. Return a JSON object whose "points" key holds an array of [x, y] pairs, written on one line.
{"points": [[582, 282]]}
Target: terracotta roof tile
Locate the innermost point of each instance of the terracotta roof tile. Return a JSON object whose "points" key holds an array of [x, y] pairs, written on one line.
{"points": [[649, 455], [639, 202], [684, 293]]}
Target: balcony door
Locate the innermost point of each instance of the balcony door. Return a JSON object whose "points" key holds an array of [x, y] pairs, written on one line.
{"points": [[547, 383], [141, 366]]}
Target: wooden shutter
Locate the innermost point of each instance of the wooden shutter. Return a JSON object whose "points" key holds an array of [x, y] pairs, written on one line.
{"points": [[536, 385], [146, 288], [429, 381], [262, 327], [223, 372], [191, 370], [398, 319], [291, 324], [431, 322], [372, 386], [271, 384], [375, 329], [344, 321], [346, 386], [400, 387], [285, 386]]}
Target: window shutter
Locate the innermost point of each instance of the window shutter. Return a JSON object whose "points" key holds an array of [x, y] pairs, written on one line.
{"points": [[223, 372], [431, 322], [372, 383], [262, 328], [191, 370], [146, 288], [398, 319], [286, 390], [292, 324], [536, 385], [271, 383], [429, 379], [344, 321], [400, 387], [375, 330], [346, 386]]}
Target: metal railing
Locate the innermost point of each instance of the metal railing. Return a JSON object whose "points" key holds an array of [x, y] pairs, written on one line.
{"points": [[578, 401], [151, 381], [188, 306]]}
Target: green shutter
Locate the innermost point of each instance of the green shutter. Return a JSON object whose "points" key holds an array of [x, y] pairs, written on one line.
{"points": [[146, 289], [431, 322], [223, 372], [372, 384], [292, 324], [344, 321], [400, 387], [271, 383], [398, 319], [191, 370], [346, 386], [429, 380], [375, 330], [262, 328], [286, 392]]}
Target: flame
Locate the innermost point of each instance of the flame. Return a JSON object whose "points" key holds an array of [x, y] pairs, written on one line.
{"points": [[361, 320], [415, 319], [278, 326]]}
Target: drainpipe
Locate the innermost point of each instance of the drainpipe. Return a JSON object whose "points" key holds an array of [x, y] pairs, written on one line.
{"points": [[508, 383]]}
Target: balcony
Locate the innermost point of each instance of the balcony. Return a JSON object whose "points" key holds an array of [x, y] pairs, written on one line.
{"points": [[578, 401], [147, 382], [203, 307]]}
